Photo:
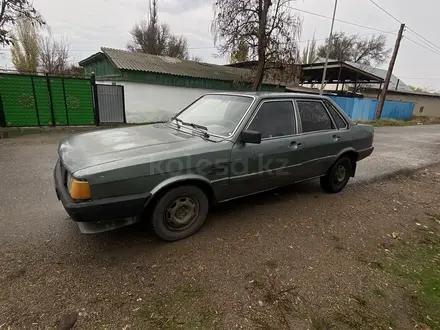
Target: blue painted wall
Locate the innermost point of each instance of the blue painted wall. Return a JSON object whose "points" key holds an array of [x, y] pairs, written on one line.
{"points": [[398, 110], [365, 109]]}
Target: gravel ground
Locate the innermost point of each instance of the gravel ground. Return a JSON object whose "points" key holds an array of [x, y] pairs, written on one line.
{"points": [[291, 259]]}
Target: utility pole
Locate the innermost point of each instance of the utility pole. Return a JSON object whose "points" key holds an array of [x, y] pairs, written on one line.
{"points": [[383, 95], [328, 49]]}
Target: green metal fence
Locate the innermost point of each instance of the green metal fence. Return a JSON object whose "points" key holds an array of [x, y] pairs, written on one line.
{"points": [[27, 100]]}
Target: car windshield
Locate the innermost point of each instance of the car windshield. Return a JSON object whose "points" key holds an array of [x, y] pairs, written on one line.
{"points": [[220, 114]]}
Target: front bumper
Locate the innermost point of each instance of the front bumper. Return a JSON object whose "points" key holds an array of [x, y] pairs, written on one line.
{"points": [[114, 209]]}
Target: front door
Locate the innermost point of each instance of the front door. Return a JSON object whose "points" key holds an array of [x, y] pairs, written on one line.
{"points": [[258, 167]]}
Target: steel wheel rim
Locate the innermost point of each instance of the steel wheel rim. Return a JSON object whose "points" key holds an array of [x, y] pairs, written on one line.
{"points": [[340, 174], [181, 213]]}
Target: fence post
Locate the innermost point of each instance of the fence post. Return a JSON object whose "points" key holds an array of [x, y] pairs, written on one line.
{"points": [[2, 113], [65, 101], [50, 98], [35, 101], [95, 99], [123, 104]]}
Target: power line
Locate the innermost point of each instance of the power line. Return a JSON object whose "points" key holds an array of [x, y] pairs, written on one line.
{"points": [[424, 46], [386, 12], [426, 41], [423, 38], [190, 48], [421, 78], [341, 21], [97, 50]]}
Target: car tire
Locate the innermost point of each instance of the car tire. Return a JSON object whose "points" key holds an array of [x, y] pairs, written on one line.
{"points": [[337, 177], [180, 213]]}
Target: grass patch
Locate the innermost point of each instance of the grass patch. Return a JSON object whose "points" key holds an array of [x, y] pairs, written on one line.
{"points": [[422, 120], [418, 266], [185, 307], [379, 293]]}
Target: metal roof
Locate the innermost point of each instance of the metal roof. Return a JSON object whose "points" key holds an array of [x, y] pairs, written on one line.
{"points": [[337, 72], [135, 61], [395, 82]]}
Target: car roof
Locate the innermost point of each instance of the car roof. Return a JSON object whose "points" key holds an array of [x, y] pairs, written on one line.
{"points": [[265, 95]]}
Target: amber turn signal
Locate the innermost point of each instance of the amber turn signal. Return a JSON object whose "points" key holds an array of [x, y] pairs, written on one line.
{"points": [[80, 189]]}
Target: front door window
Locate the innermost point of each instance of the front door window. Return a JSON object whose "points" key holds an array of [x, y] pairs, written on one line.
{"points": [[274, 119]]}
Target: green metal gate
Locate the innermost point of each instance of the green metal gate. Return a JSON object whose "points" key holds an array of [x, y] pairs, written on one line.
{"points": [[27, 100]]}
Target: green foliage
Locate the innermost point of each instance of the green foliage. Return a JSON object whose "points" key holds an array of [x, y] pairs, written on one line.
{"points": [[25, 50], [352, 48], [418, 266], [422, 89], [241, 53]]}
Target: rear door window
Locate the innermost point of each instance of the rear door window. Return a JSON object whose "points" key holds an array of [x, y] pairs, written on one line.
{"points": [[314, 117], [337, 117]]}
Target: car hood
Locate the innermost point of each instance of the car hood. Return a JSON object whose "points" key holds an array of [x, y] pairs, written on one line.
{"points": [[85, 150]]}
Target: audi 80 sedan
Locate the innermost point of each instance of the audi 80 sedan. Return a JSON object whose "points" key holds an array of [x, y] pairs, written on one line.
{"points": [[220, 147]]}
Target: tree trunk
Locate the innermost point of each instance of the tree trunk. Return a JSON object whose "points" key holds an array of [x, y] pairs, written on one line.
{"points": [[263, 8], [259, 74]]}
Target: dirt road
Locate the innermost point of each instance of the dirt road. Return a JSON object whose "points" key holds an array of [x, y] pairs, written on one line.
{"points": [[292, 259]]}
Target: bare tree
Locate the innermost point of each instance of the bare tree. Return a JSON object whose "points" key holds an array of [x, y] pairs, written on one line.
{"points": [[11, 11], [153, 38], [25, 49], [353, 48], [55, 56], [268, 27], [196, 58]]}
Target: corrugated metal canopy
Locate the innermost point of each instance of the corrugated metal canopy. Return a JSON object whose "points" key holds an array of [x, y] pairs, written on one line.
{"points": [[337, 72], [134, 61]]}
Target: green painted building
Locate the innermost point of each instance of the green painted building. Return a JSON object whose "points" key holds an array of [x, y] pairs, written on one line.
{"points": [[156, 87]]}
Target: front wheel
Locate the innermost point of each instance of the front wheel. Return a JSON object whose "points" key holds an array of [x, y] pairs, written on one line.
{"points": [[337, 177], [180, 213]]}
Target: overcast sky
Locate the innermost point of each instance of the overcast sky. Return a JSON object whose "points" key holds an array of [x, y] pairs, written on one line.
{"points": [[91, 24]]}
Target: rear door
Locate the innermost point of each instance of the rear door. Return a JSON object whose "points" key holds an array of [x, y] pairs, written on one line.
{"points": [[343, 134], [321, 138]]}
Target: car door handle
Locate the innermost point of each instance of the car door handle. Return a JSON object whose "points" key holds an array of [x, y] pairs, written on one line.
{"points": [[294, 144], [336, 137]]}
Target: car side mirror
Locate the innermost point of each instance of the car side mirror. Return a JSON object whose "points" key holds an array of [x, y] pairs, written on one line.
{"points": [[250, 137]]}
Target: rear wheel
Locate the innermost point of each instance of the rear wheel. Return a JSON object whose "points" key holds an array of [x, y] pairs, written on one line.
{"points": [[180, 213], [338, 176]]}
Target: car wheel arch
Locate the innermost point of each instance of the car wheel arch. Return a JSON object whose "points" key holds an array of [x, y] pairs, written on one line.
{"points": [[165, 186], [352, 154]]}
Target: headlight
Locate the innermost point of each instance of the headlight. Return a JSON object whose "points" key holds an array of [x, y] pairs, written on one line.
{"points": [[78, 189]]}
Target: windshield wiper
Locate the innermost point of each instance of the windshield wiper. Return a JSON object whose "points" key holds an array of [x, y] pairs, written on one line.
{"points": [[177, 121], [198, 128]]}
